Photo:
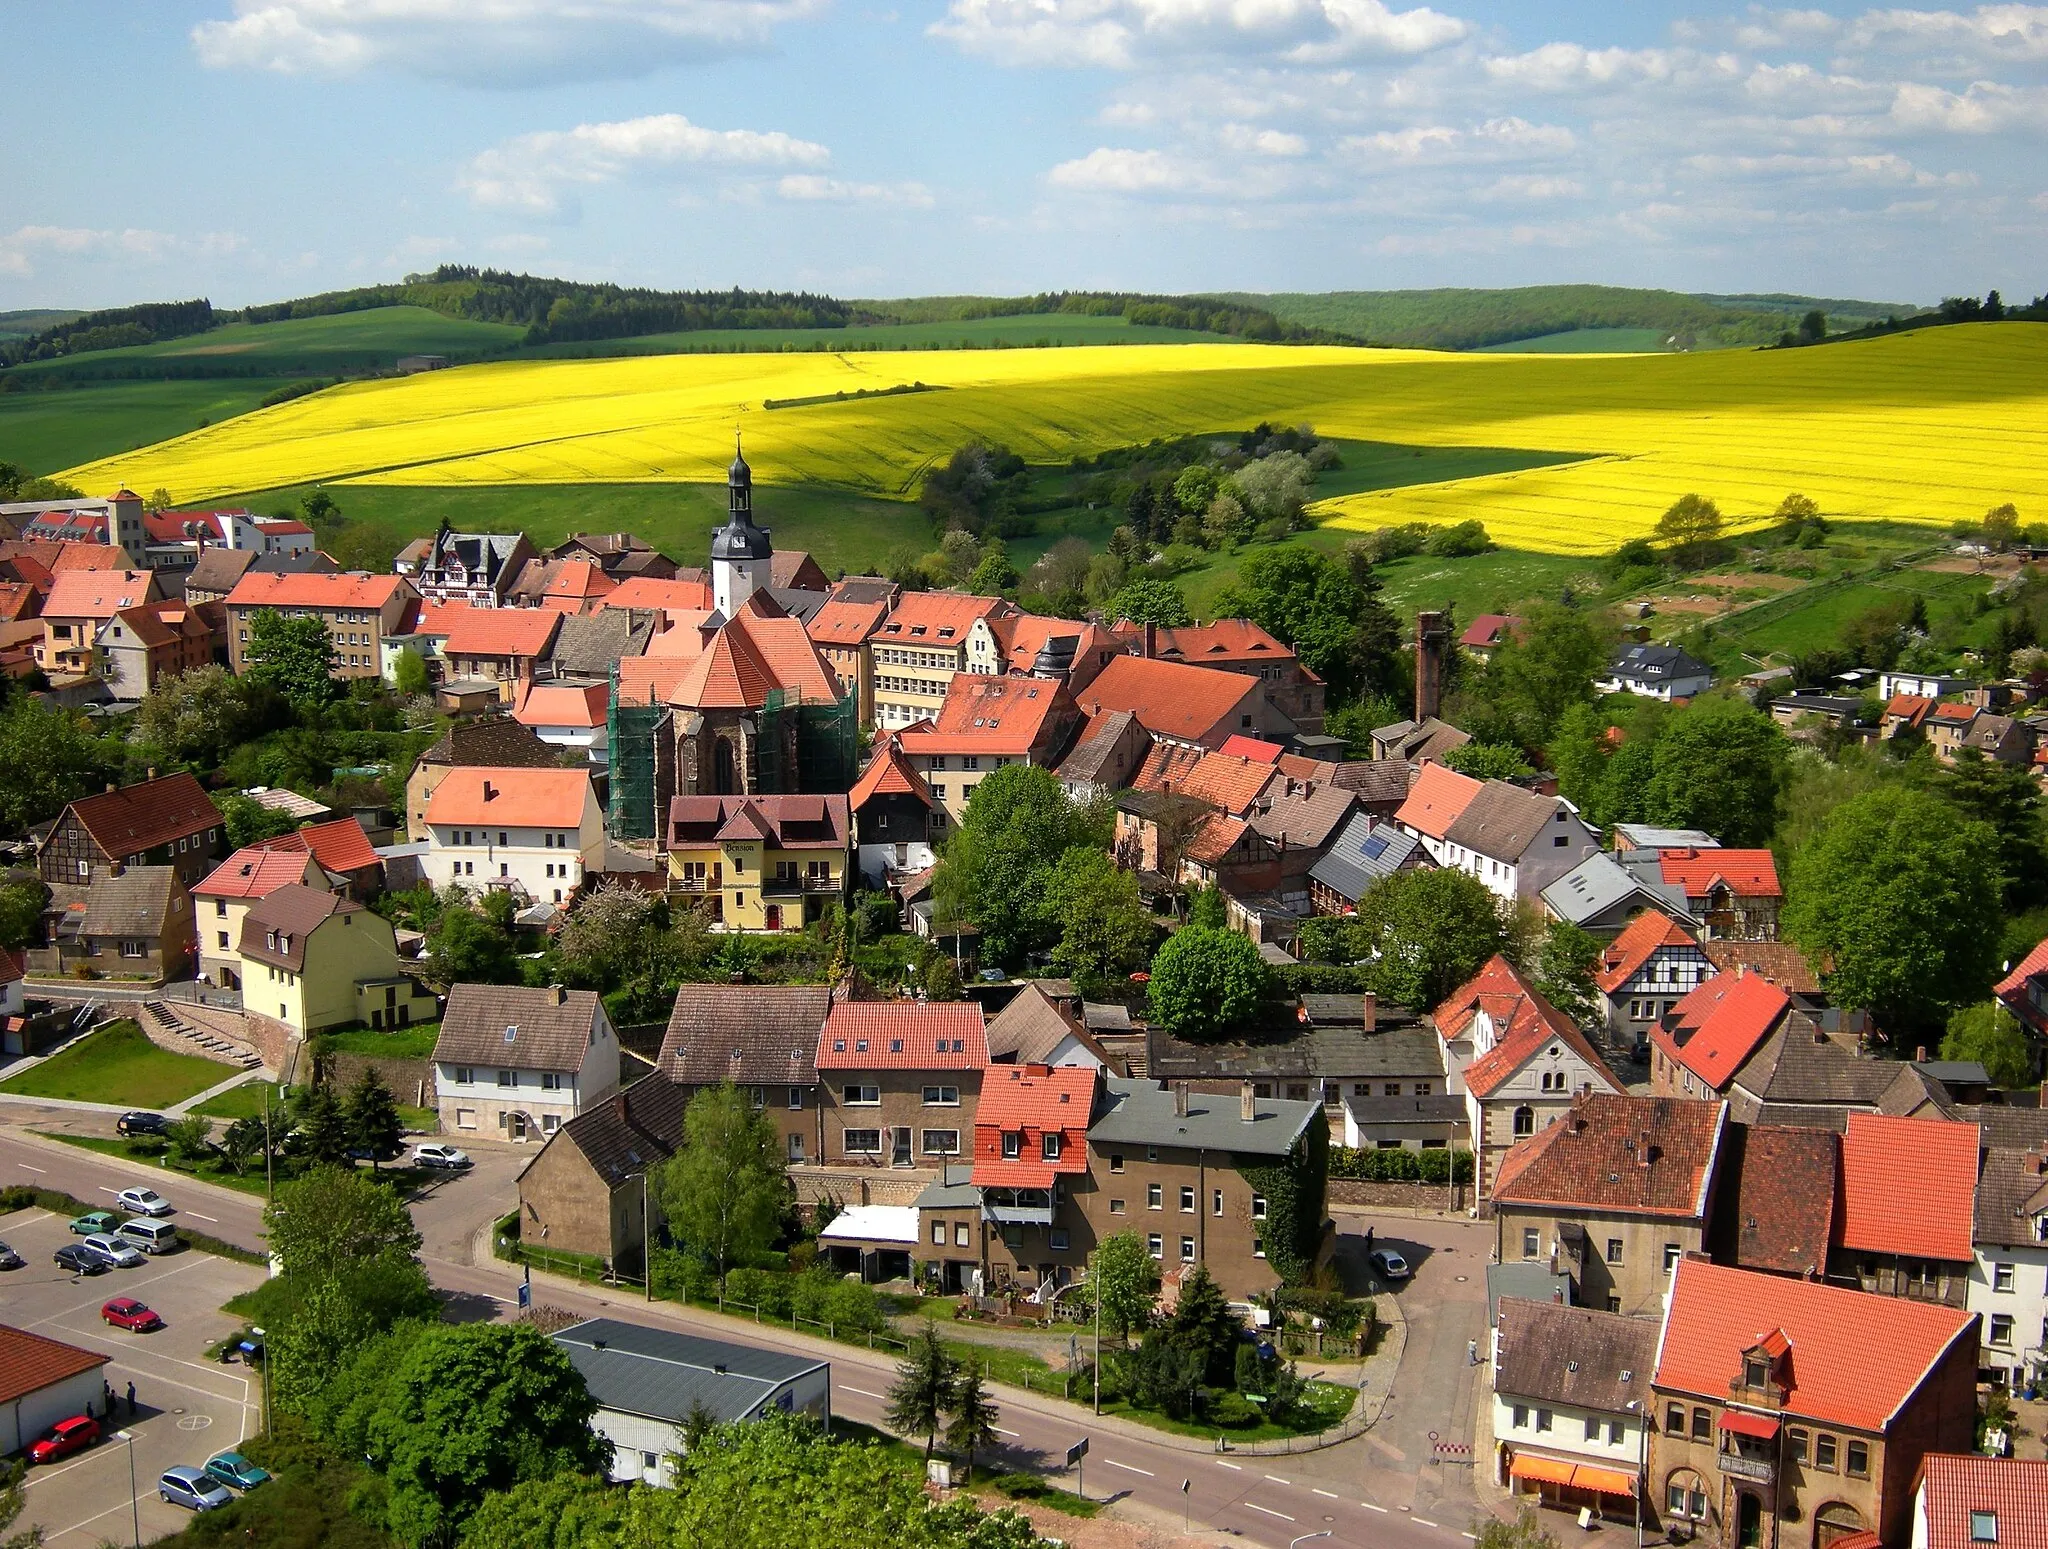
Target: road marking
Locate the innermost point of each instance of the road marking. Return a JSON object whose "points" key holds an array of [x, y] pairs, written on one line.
{"points": [[26, 1168], [1422, 1522], [1233, 1467], [195, 1215], [1473, 1536], [998, 1429], [863, 1392], [1332, 1494], [1278, 1480], [1254, 1506], [1368, 1505], [1130, 1468]]}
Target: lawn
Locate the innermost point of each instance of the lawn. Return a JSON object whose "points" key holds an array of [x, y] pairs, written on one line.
{"points": [[215, 1170], [243, 1102], [118, 1064], [62, 427], [1924, 427], [405, 1043]]}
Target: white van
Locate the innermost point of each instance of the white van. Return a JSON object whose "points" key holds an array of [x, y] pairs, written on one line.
{"points": [[150, 1236]]}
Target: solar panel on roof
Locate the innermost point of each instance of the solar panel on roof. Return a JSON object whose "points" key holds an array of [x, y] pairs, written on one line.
{"points": [[1374, 847]]}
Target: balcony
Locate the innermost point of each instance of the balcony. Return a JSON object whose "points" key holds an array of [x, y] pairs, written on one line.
{"points": [[690, 885], [1021, 1215], [788, 886], [1745, 1465]]}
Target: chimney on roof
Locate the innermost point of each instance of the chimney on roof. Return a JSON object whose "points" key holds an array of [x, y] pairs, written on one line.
{"points": [[1247, 1102], [1432, 641], [561, 995], [619, 1106], [490, 791], [1180, 1099], [1368, 1010], [1643, 1149], [1151, 640], [1920, 1054]]}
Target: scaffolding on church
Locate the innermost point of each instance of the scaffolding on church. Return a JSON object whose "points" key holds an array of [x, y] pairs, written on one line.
{"points": [[631, 730], [827, 744]]}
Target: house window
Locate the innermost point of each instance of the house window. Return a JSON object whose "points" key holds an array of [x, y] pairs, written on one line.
{"points": [[508, 1078], [1543, 1419], [1187, 1250], [1614, 1250], [1116, 1207], [1674, 1420], [1013, 1145], [942, 1142], [220, 908], [131, 949], [1795, 1445], [1521, 1416], [1672, 1253], [1756, 1373], [1049, 1146], [858, 1096], [1155, 1197], [1592, 1429], [1057, 1239], [1155, 1245], [1532, 1242], [2001, 1328], [1525, 1121], [962, 1235], [465, 1118], [464, 1075], [549, 1081], [223, 940], [1616, 1433], [1702, 1425], [1116, 1161], [1824, 1452], [863, 1142], [796, 1099], [1859, 1459], [938, 1234], [2001, 1277], [1187, 1199], [1258, 1207], [942, 1097], [1983, 1527], [1216, 1201]]}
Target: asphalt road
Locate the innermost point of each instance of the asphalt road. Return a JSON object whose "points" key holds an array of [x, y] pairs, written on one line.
{"points": [[1378, 1492]]}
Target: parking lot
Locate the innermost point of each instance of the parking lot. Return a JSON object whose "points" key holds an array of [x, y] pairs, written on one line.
{"points": [[188, 1408]]}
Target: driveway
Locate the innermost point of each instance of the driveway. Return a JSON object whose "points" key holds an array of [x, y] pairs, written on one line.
{"points": [[188, 1408]]}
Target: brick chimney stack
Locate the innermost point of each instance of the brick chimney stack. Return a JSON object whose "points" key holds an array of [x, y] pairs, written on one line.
{"points": [[1432, 639]]}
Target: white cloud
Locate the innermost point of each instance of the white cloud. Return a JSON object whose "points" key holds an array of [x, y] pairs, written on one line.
{"points": [[1120, 34], [1106, 170], [530, 172], [811, 186], [1247, 140], [2011, 32], [1984, 108], [1560, 67], [24, 247], [1497, 139], [487, 41], [1531, 187]]}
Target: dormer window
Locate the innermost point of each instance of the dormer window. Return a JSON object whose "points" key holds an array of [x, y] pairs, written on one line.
{"points": [[1756, 1372], [1049, 1147], [1013, 1145]]}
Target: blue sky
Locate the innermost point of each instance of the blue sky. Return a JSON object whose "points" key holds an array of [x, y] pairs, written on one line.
{"points": [[255, 149]]}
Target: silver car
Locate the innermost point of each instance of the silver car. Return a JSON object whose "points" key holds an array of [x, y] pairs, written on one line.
{"points": [[193, 1488], [104, 1245], [144, 1202]]}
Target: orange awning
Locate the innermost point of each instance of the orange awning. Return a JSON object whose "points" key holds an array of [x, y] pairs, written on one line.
{"points": [[1607, 1481], [1543, 1470]]}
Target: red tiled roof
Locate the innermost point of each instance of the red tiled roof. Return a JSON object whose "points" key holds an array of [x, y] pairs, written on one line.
{"points": [[141, 817], [938, 618], [572, 584], [1911, 707], [89, 556], [649, 680], [1626, 954], [1036, 1101], [1165, 764], [1593, 1157], [1225, 640], [1949, 711], [1216, 838], [1226, 781], [1719, 1024], [888, 774], [311, 589], [1006, 716], [1253, 748], [581, 705], [2015, 982], [791, 655], [13, 964], [437, 618], [1747, 873], [1855, 1358], [253, 872], [846, 624], [666, 596], [283, 524], [903, 1035], [1190, 704], [97, 594], [1909, 1186], [1523, 1023], [1487, 630], [524, 632], [511, 798], [29, 1363], [729, 674], [1437, 799], [1957, 1484], [340, 845], [787, 822]]}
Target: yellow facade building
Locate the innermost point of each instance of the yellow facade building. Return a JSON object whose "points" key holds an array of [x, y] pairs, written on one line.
{"points": [[760, 862]]}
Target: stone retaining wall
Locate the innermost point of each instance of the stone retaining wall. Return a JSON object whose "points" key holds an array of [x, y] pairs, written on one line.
{"points": [[1415, 1198], [411, 1081]]}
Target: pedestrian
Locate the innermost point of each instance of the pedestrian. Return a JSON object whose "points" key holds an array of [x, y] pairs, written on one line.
{"points": [[131, 1401], [1368, 1239], [107, 1397]]}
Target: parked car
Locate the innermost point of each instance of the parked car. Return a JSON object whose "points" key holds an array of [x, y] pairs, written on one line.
{"points": [[142, 1124], [151, 1236], [236, 1471], [95, 1221], [126, 1312], [9, 1259], [437, 1155], [193, 1488], [1389, 1265], [118, 1254], [80, 1260], [143, 1202], [64, 1438]]}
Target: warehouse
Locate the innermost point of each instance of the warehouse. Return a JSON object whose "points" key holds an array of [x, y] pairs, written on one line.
{"points": [[43, 1381]]}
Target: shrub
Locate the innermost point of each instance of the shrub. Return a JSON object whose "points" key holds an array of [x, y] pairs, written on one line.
{"points": [[1400, 1166]]}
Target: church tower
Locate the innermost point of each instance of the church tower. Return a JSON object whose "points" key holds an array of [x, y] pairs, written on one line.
{"points": [[740, 551]]}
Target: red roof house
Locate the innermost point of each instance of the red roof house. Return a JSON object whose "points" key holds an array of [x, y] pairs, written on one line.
{"points": [[903, 1035], [1712, 1032], [1909, 1190], [1963, 1501], [1197, 706], [1032, 1125]]}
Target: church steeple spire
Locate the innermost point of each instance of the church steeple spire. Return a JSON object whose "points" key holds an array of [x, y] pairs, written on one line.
{"points": [[740, 551]]}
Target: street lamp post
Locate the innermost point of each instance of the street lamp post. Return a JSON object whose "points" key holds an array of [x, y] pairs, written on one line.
{"points": [[1325, 1533], [1096, 1296], [1642, 1415], [134, 1500]]}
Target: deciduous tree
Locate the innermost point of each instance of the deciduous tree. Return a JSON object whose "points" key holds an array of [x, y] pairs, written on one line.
{"points": [[21, 912], [1206, 982], [1690, 528], [293, 655], [723, 1191], [1719, 766], [1018, 824], [1122, 1274], [1105, 931], [467, 948], [1428, 931], [1151, 601], [1989, 1034]]}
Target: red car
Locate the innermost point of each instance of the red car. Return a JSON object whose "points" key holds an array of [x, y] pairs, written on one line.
{"points": [[64, 1438], [126, 1312]]}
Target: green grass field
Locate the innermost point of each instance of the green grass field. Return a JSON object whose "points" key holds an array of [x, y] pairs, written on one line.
{"points": [[1583, 341], [118, 1064], [1037, 331], [59, 428], [244, 1102], [1813, 617], [299, 346], [406, 1043]]}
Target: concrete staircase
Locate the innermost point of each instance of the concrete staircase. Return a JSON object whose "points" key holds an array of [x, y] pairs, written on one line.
{"points": [[201, 1030]]}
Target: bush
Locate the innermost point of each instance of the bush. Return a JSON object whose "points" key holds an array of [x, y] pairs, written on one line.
{"points": [[1400, 1166], [1456, 542]]}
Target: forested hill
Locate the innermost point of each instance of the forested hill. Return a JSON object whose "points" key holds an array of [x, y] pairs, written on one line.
{"points": [[1473, 319]]}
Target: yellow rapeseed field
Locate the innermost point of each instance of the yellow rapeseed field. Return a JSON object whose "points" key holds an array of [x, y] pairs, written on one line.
{"points": [[1928, 427]]}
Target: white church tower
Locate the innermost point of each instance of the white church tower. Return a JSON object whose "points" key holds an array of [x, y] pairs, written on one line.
{"points": [[740, 551]]}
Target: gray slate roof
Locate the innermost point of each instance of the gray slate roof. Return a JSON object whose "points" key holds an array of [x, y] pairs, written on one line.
{"points": [[1502, 820], [1529, 1280], [750, 1034], [630, 1131], [509, 1024], [1141, 1113], [636, 1370], [1648, 836], [2011, 1191], [1574, 1356], [588, 645], [953, 1191], [133, 904], [1655, 663], [1441, 1109], [1600, 883], [1362, 854], [294, 912]]}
